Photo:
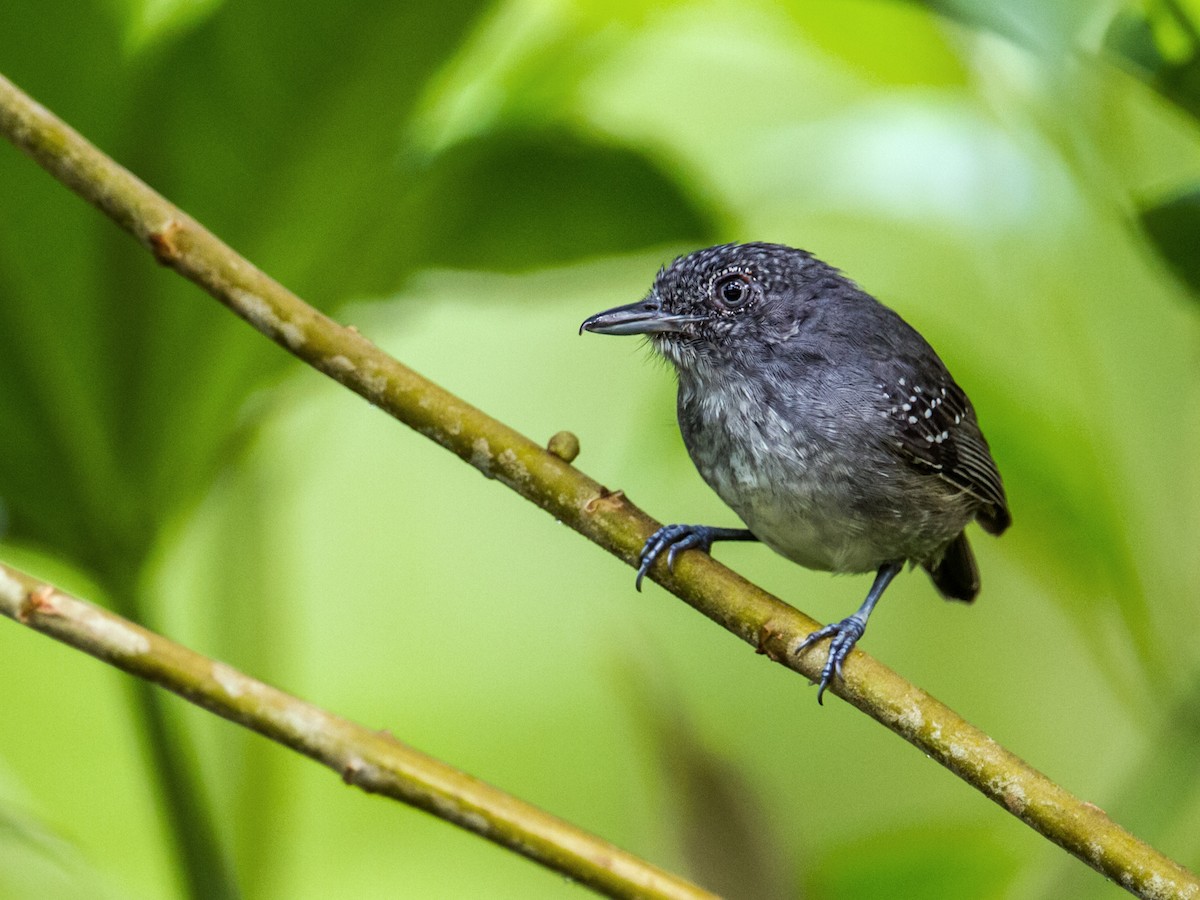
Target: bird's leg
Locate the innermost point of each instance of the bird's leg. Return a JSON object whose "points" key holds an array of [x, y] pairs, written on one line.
{"points": [[674, 538], [846, 633]]}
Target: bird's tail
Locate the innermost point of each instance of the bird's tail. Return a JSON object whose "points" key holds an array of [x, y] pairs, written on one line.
{"points": [[956, 576]]}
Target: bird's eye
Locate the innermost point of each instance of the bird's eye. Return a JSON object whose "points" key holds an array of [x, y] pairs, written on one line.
{"points": [[734, 290]]}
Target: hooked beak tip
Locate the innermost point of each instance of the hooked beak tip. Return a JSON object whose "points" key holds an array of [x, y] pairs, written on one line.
{"points": [[642, 317]]}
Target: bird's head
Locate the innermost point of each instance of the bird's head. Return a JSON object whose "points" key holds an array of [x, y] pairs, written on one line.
{"points": [[721, 302]]}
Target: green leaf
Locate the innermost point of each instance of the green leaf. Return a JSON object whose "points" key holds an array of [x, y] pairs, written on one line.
{"points": [[1131, 38], [720, 821], [1029, 23], [927, 860], [522, 199], [1173, 228], [1162, 47], [876, 41], [122, 387]]}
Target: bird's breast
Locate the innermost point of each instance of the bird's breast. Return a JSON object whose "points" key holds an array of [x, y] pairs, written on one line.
{"points": [[778, 470]]}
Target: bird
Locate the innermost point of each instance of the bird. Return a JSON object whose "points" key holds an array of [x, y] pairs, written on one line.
{"points": [[826, 422]]}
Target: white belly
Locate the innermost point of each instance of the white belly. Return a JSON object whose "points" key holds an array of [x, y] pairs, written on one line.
{"points": [[789, 488], [796, 515]]}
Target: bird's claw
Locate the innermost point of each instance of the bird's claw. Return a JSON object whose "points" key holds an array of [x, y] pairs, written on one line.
{"points": [[845, 635], [674, 539]]}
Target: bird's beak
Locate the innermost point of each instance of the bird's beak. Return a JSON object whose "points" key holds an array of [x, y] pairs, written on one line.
{"points": [[643, 317]]}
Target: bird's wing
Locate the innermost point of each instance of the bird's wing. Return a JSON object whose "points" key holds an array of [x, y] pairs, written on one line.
{"points": [[933, 428]]}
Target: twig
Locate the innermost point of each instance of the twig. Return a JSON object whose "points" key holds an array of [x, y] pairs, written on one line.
{"points": [[372, 760], [601, 515]]}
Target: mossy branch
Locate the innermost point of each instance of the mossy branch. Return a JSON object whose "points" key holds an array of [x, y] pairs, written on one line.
{"points": [[373, 760], [603, 516]]}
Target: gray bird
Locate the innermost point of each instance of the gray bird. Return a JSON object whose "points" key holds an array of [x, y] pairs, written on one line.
{"points": [[823, 419]]}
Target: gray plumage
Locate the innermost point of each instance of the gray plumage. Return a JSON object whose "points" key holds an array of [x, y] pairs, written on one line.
{"points": [[826, 422]]}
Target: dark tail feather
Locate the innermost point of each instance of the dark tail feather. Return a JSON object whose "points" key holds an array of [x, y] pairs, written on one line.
{"points": [[995, 519], [956, 576]]}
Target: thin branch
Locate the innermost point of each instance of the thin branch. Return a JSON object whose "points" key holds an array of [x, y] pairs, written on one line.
{"points": [[601, 515], [372, 760]]}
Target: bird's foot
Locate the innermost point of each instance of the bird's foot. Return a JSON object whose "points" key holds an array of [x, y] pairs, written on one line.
{"points": [[845, 635], [674, 539]]}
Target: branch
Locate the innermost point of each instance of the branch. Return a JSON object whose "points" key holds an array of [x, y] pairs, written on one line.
{"points": [[372, 760], [603, 516]]}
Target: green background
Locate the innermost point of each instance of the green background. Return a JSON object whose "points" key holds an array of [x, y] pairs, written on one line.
{"points": [[465, 182]]}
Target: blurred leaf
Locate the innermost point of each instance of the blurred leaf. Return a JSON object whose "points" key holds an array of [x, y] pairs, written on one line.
{"points": [[1074, 528], [1030, 23], [719, 818], [39, 863], [122, 393], [875, 40], [1158, 795], [58, 472], [121, 387], [1173, 227], [723, 824], [1162, 47], [540, 198], [1131, 37], [148, 21], [928, 861]]}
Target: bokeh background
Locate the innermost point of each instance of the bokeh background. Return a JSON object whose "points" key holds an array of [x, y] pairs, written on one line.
{"points": [[465, 182]]}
